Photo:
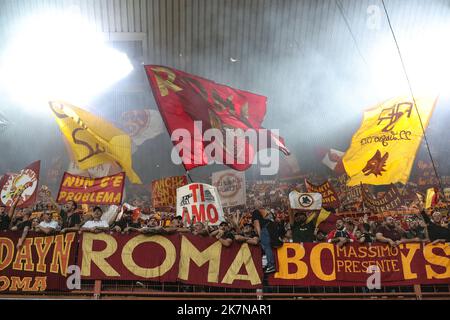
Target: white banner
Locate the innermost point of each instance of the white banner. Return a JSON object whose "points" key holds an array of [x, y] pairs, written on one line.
{"points": [[231, 187], [199, 202], [305, 201]]}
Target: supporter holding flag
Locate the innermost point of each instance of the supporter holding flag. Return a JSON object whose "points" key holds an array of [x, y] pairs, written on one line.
{"points": [[303, 229], [436, 232], [70, 216]]}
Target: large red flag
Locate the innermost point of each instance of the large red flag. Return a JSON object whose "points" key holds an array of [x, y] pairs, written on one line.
{"points": [[24, 182], [183, 98]]}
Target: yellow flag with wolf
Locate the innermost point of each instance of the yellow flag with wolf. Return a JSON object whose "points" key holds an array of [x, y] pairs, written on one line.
{"points": [[93, 140], [383, 150]]}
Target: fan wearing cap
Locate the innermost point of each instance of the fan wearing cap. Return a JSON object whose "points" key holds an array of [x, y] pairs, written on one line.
{"points": [[223, 234]]}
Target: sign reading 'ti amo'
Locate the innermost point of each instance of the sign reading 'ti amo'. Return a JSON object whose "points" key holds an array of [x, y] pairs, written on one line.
{"points": [[199, 202]]}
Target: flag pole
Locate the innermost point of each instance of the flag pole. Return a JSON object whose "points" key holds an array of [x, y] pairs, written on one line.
{"points": [[189, 176], [412, 95]]}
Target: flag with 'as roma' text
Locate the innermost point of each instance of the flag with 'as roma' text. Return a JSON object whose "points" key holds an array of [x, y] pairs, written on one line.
{"points": [[93, 140], [192, 105], [383, 150]]}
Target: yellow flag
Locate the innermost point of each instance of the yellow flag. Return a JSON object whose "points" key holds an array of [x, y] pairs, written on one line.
{"points": [[429, 198], [93, 140], [323, 215], [382, 151]]}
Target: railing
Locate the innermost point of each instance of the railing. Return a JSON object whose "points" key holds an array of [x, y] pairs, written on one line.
{"points": [[177, 291]]}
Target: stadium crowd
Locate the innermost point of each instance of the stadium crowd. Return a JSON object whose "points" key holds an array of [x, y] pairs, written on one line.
{"points": [[261, 225]]}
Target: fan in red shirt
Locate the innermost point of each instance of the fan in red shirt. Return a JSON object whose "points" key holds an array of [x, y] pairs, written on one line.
{"points": [[340, 235]]}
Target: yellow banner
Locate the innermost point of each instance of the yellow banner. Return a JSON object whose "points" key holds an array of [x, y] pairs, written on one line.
{"points": [[382, 151], [93, 140]]}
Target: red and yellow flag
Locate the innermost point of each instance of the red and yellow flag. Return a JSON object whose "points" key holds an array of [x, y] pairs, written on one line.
{"points": [[196, 104], [93, 140], [383, 150]]}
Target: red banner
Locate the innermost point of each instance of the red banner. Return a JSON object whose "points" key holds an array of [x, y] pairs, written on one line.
{"points": [[323, 264], [100, 191], [184, 99], [41, 264], [164, 191], [330, 198], [186, 258], [24, 183], [425, 175], [390, 200]]}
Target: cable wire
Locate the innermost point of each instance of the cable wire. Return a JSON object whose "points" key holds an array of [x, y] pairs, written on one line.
{"points": [[412, 95]]}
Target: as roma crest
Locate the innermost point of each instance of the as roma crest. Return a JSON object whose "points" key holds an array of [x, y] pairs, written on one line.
{"points": [[229, 185]]}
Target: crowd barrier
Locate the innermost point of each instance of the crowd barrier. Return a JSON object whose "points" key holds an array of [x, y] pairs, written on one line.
{"points": [[112, 265]]}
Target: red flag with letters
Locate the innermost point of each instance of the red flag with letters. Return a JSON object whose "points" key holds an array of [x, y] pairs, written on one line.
{"points": [[196, 104]]}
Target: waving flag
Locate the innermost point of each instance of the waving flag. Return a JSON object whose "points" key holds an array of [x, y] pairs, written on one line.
{"points": [[196, 104], [23, 183], [383, 150], [330, 198], [432, 198], [92, 140], [142, 124]]}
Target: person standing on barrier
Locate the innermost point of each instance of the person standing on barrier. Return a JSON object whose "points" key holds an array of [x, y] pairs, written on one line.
{"points": [[260, 222]]}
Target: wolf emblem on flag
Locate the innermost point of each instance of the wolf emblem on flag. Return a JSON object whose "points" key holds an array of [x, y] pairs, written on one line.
{"points": [[376, 164]]}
